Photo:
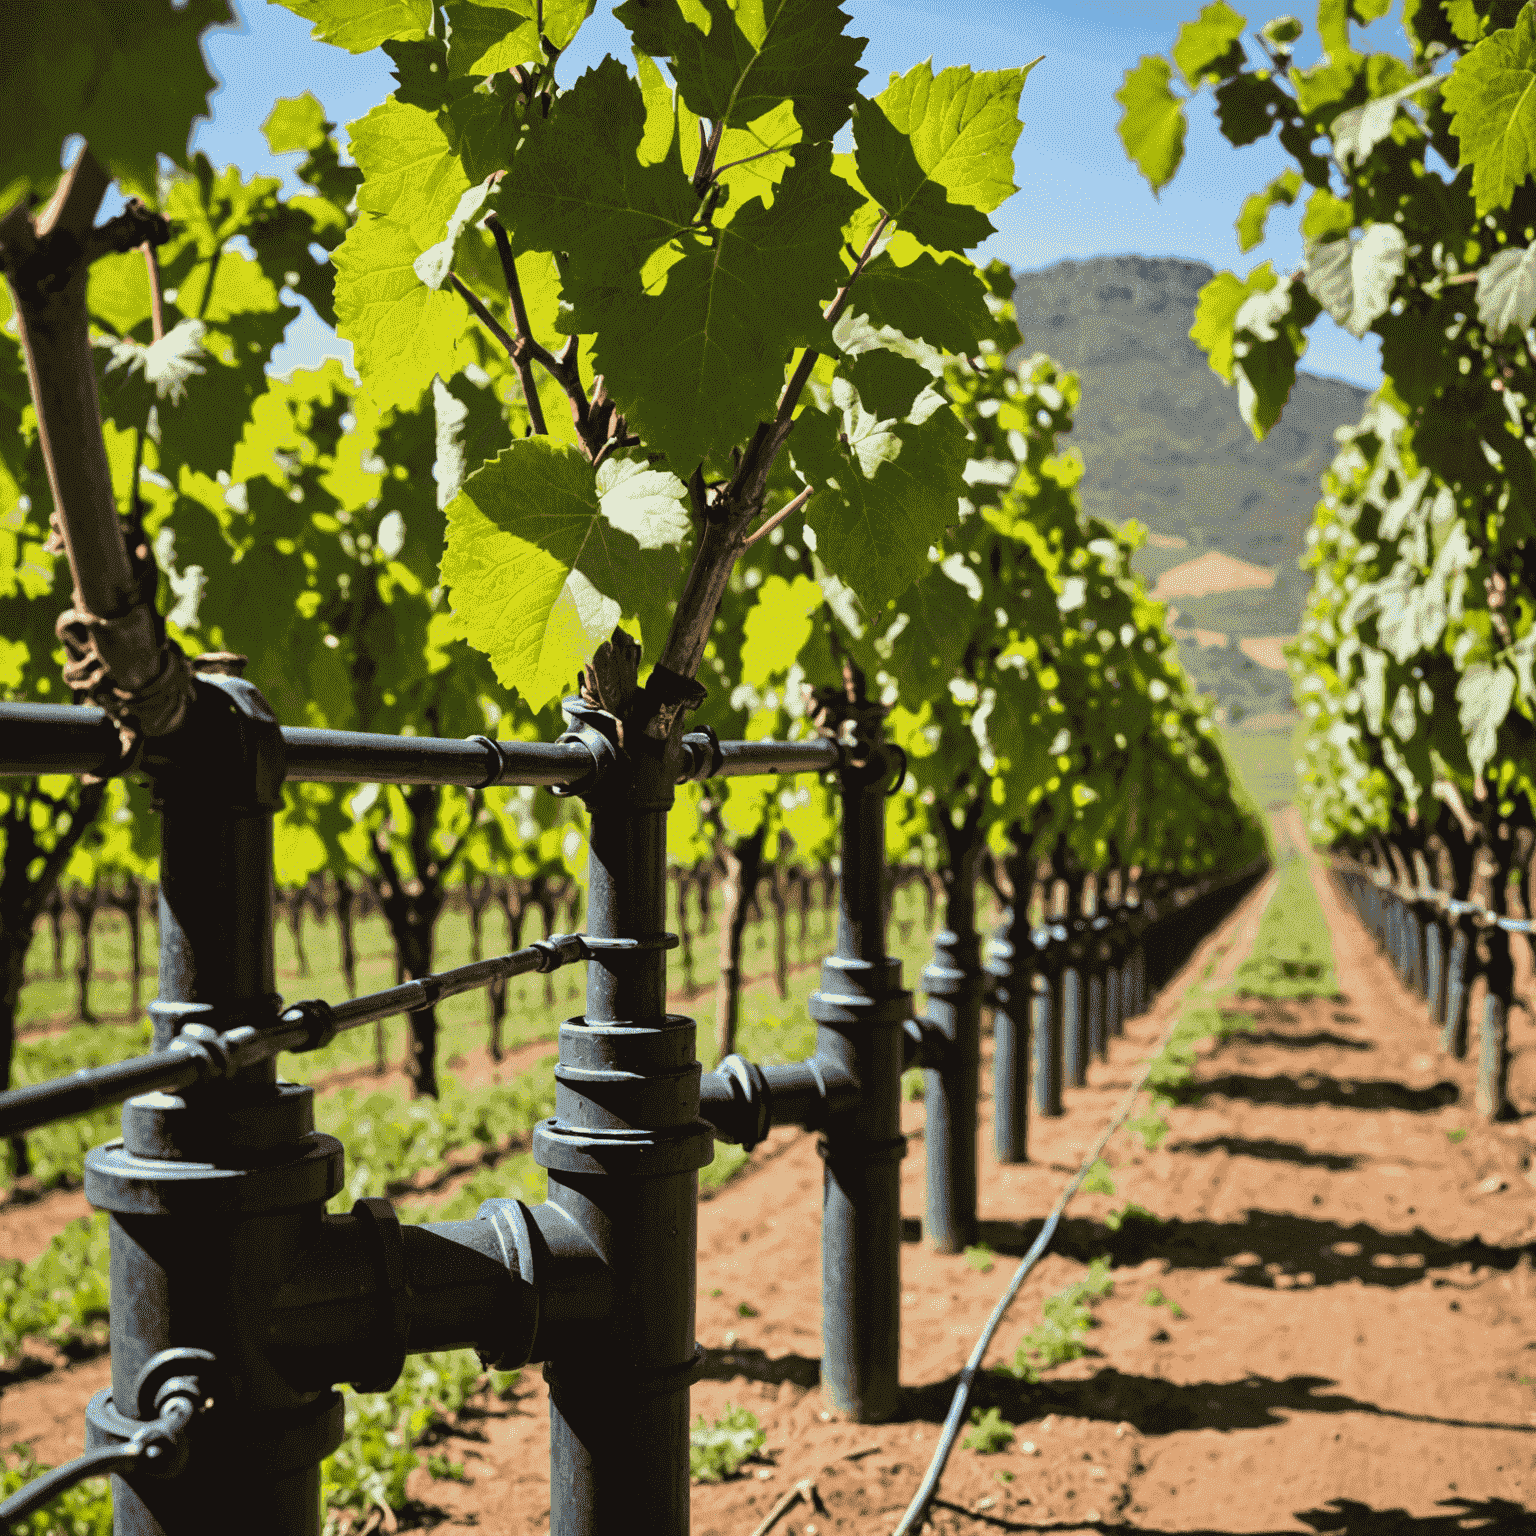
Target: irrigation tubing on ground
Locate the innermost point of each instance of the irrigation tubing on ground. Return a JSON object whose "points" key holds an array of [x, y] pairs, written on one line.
{"points": [[954, 1422]]}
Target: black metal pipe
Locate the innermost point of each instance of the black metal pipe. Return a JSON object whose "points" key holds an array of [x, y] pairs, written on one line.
{"points": [[56, 738], [63, 738], [1074, 1026], [623, 1153], [860, 1009], [198, 1052], [741, 759], [743, 1101], [955, 988], [212, 1192], [1011, 968]]}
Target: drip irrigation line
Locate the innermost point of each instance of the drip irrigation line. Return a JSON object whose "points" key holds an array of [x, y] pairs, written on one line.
{"points": [[1451, 906], [954, 1421]]}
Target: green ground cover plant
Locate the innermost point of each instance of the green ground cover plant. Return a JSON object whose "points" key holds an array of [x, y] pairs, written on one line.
{"points": [[717, 1450]]}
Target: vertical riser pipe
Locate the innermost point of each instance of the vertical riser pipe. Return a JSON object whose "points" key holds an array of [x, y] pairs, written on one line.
{"points": [[1074, 1027], [1046, 1029], [623, 1153], [1453, 1037], [859, 1010], [953, 984]]}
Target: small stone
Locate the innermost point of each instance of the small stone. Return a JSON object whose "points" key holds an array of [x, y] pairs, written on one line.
{"points": [[1029, 1448], [1097, 1472], [764, 1473], [1491, 1186], [825, 1417], [985, 1503], [729, 1341]]}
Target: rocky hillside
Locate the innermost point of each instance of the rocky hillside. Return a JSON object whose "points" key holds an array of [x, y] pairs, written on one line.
{"points": [[1164, 444]]}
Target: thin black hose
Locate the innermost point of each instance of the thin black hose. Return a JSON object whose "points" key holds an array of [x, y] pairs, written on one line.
{"points": [[917, 1510]]}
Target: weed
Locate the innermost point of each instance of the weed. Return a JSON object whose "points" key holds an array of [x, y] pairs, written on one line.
{"points": [[1292, 956], [989, 1433], [716, 1451], [1152, 1125], [745, 1309], [1155, 1298], [1003, 1477], [717, 1292], [1100, 1181], [1130, 1216], [1456, 1136], [979, 1257], [912, 1084], [444, 1470], [1066, 1319]]}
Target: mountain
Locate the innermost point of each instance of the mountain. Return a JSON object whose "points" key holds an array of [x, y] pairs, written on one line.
{"points": [[1163, 443]]}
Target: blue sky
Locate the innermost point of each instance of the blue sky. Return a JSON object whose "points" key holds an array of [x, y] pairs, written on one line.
{"points": [[1078, 196]]}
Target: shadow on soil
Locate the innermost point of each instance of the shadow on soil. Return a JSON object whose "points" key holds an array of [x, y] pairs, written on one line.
{"points": [[1332, 1253], [1339, 1517], [1313, 1088], [1270, 1152], [1314, 1040]]}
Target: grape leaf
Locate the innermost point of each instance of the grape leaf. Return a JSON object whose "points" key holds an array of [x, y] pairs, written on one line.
{"points": [[403, 333], [936, 153], [538, 574], [358, 25], [295, 122], [1506, 291], [940, 302], [888, 384], [1358, 131], [1153, 124], [777, 626], [1483, 697], [1216, 311], [413, 183], [753, 55], [127, 75], [697, 365], [1208, 47], [435, 263], [1281, 192], [579, 187], [887, 490], [1269, 337], [1353, 280], [486, 37], [1491, 95]]}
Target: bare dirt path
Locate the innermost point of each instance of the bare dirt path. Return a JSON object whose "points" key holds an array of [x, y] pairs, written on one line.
{"points": [[1354, 1349]]}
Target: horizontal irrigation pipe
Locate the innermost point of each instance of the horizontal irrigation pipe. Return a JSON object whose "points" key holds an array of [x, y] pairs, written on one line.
{"points": [[65, 738], [954, 1422], [1450, 905], [200, 1052]]}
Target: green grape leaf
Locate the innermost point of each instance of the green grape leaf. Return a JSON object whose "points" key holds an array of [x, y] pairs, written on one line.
{"points": [[579, 187], [941, 302], [649, 504], [936, 153], [435, 263], [486, 37], [697, 365], [1208, 47], [1269, 337], [1491, 95], [421, 72], [1248, 107], [537, 573], [403, 332], [1358, 131], [1216, 311], [295, 122], [1353, 280], [127, 75], [1506, 291], [358, 25], [886, 491], [735, 62], [776, 628], [1483, 698], [1281, 192], [888, 384], [1153, 124]]}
